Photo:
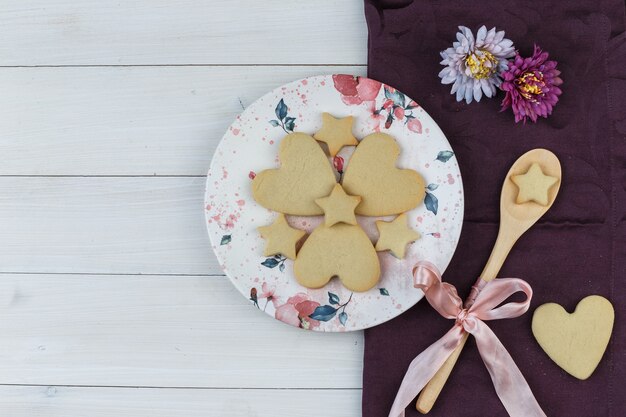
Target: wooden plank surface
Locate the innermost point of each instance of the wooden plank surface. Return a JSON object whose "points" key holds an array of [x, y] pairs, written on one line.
{"points": [[120, 225], [159, 331], [115, 402], [182, 32], [128, 120], [111, 300]]}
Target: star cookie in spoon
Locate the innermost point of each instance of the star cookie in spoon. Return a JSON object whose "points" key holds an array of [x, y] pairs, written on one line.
{"points": [[534, 185]]}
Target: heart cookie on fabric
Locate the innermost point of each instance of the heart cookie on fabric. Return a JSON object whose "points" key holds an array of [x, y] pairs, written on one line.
{"points": [[305, 175], [373, 175], [576, 342]]}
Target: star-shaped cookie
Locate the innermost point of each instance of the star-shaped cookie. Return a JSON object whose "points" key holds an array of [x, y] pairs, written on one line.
{"points": [[336, 133], [281, 238], [534, 185], [395, 235], [339, 207]]}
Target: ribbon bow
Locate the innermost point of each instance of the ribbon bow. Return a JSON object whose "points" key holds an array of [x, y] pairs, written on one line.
{"points": [[482, 305]]}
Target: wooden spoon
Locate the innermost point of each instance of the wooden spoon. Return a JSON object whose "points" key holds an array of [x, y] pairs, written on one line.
{"points": [[515, 219]]}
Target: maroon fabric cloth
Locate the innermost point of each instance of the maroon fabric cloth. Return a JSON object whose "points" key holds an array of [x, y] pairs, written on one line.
{"points": [[577, 249]]}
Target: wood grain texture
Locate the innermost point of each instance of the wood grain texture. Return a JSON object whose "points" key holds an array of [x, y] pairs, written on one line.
{"points": [[104, 225], [109, 116], [114, 402], [127, 121], [132, 32], [159, 331]]}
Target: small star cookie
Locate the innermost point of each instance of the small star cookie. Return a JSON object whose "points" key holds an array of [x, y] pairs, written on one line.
{"points": [[281, 238], [395, 235], [336, 133], [534, 185], [339, 207]]}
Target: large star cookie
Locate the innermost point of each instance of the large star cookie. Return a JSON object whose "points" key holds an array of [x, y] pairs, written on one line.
{"points": [[339, 207], [534, 185], [336, 133], [281, 238]]}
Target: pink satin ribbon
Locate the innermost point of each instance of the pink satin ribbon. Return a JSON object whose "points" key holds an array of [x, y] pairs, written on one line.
{"points": [[481, 305]]}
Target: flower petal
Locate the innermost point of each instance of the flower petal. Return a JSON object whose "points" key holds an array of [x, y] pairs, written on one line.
{"points": [[469, 94], [484, 85], [460, 93], [481, 35]]}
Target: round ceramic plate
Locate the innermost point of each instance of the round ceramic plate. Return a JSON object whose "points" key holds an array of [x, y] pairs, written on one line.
{"points": [[251, 145]]}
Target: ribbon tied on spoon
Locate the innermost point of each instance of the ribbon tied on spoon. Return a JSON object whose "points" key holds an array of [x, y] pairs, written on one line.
{"points": [[482, 305]]}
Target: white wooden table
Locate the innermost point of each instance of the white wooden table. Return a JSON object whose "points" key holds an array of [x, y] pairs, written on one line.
{"points": [[111, 301]]}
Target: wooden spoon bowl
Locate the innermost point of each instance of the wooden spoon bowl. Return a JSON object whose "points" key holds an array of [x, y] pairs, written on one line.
{"points": [[515, 219]]}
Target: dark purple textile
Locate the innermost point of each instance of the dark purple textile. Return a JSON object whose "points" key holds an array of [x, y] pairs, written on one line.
{"points": [[577, 249]]}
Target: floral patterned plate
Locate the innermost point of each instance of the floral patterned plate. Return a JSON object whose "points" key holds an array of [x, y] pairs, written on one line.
{"points": [[251, 145]]}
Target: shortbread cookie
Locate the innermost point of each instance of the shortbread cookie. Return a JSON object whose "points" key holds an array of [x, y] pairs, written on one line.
{"points": [[577, 341], [341, 250], [280, 238], [305, 175], [395, 236], [336, 133], [339, 207], [372, 174], [534, 185]]}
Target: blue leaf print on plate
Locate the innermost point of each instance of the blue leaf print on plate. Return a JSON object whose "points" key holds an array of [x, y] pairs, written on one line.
{"points": [[396, 96], [444, 156], [432, 204], [270, 263], [333, 298], [288, 124], [323, 313], [281, 110]]}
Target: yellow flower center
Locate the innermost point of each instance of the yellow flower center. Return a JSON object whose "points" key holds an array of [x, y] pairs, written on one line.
{"points": [[481, 63], [530, 85]]}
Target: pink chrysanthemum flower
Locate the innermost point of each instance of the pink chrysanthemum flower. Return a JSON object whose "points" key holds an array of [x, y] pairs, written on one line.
{"points": [[473, 65], [531, 86]]}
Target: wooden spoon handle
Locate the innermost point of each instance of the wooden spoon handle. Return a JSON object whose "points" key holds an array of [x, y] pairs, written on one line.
{"points": [[507, 236], [505, 241], [431, 391]]}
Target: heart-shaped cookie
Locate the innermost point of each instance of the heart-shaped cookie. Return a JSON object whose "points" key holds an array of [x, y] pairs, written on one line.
{"points": [[373, 175], [304, 176], [577, 341], [341, 250]]}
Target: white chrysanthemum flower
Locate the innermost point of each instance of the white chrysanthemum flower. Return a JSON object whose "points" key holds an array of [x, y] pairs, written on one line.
{"points": [[474, 65]]}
